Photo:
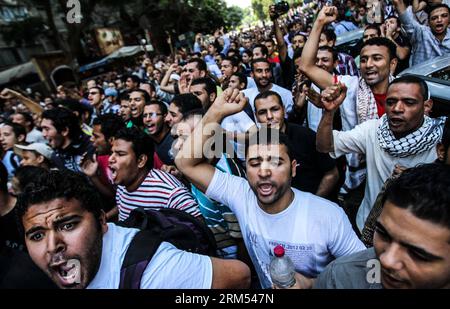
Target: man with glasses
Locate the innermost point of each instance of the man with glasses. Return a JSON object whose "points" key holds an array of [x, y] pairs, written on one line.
{"points": [[158, 130], [96, 95]]}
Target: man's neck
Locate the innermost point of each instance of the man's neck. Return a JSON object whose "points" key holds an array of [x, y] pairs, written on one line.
{"points": [[381, 87], [268, 87], [280, 205], [142, 173], [441, 36], [161, 135], [66, 143]]}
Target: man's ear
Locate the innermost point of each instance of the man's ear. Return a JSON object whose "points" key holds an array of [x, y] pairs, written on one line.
{"points": [[21, 138], [393, 65], [65, 132], [293, 168], [40, 158], [212, 97], [428, 106], [440, 149], [102, 220], [142, 160]]}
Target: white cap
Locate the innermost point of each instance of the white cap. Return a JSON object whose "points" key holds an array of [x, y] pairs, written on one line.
{"points": [[40, 148]]}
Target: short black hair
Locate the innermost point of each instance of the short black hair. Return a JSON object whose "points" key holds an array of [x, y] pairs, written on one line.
{"points": [[201, 64], [258, 60], [248, 52], [329, 34], [233, 60], [186, 102], [63, 118], [75, 106], [133, 77], [331, 50], [141, 143], [210, 85], [264, 49], [152, 86], [193, 112], [100, 89], [27, 117], [162, 105], [124, 96], [64, 184], [380, 41], [412, 79], [269, 136], [17, 128], [242, 78], [374, 27], [431, 8], [110, 124], [298, 33], [144, 93], [266, 94], [424, 191], [27, 174]]}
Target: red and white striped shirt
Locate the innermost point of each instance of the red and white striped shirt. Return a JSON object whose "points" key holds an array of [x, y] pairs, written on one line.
{"points": [[158, 190]]}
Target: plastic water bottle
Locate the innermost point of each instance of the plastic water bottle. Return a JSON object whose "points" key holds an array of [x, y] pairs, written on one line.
{"points": [[282, 271]]}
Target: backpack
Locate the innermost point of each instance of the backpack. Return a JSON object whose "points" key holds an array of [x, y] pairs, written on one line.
{"points": [[166, 224]]}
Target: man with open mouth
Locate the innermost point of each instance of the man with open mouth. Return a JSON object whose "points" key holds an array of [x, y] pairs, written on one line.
{"points": [[67, 236], [429, 41]]}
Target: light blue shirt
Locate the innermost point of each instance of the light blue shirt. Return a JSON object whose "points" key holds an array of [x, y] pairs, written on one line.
{"points": [[425, 45]]}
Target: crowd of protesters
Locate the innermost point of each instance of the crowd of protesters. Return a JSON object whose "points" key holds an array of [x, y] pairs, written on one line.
{"points": [[325, 153]]}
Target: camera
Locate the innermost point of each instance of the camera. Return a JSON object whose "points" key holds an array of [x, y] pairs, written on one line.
{"points": [[281, 8]]}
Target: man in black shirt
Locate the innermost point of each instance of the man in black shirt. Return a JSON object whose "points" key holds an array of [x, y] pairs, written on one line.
{"points": [[60, 127]]}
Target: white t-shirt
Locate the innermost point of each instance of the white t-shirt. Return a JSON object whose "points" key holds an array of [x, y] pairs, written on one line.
{"points": [[170, 268], [363, 139], [250, 83], [312, 230], [313, 113], [239, 122], [286, 97]]}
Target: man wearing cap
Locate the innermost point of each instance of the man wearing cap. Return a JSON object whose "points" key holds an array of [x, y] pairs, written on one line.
{"points": [[109, 103], [36, 154]]}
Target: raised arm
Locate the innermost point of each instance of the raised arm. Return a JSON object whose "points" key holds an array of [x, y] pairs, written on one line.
{"points": [[332, 98], [165, 81], [282, 48], [191, 160], [317, 75], [34, 107]]}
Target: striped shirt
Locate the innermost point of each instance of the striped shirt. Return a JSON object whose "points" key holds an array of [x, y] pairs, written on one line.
{"points": [[425, 45], [158, 190], [347, 65]]}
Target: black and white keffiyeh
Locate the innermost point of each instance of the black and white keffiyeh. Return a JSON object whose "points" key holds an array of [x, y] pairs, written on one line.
{"points": [[424, 138]]}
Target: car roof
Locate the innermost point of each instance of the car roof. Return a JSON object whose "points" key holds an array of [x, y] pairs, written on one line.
{"points": [[428, 67], [349, 36]]}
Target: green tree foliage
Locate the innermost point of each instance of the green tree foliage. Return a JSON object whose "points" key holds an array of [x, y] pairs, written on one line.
{"points": [[261, 8]]}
